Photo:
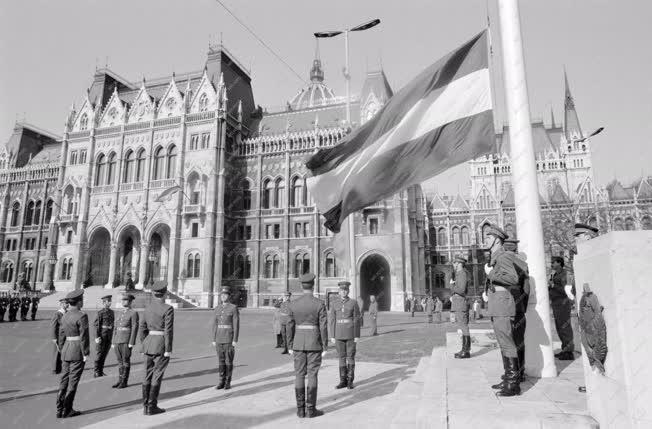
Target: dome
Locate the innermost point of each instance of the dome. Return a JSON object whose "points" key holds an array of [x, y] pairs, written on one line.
{"points": [[316, 93]]}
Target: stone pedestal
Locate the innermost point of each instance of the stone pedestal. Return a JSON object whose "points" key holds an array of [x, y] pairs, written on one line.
{"points": [[618, 269]]}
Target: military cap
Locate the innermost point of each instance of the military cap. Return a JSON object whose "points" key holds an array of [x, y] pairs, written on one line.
{"points": [[107, 297], [510, 244], [307, 278], [557, 259], [344, 285], [75, 295], [582, 228], [64, 299], [497, 232], [460, 259], [225, 290], [160, 288], [128, 296]]}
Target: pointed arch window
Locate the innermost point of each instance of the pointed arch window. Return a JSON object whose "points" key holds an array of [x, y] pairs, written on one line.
{"points": [[193, 265], [41, 271], [159, 164], [330, 267], [618, 224], [29, 213], [203, 102], [100, 170], [130, 163], [646, 222], [15, 214], [442, 239], [66, 269], [8, 272], [247, 267], [83, 122], [172, 162], [37, 213], [246, 195], [279, 188], [630, 225], [28, 270], [456, 236], [268, 191], [111, 169], [297, 196], [140, 166], [466, 239], [276, 267], [48, 211]]}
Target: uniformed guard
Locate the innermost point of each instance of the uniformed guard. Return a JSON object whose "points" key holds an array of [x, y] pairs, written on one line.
{"points": [[226, 330], [373, 315], [561, 290], [55, 328], [501, 307], [520, 302], [308, 344], [124, 339], [25, 302], [284, 319], [345, 333], [104, 322], [35, 301], [4, 303], [14, 306], [276, 326], [460, 306], [75, 348], [156, 335]]}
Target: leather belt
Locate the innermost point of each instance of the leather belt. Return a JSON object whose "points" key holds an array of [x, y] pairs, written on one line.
{"points": [[344, 320], [156, 333], [77, 338], [224, 326], [285, 314], [306, 326], [501, 288], [124, 329], [107, 327]]}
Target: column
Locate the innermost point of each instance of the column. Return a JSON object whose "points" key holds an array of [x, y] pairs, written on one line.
{"points": [[112, 264], [142, 265]]}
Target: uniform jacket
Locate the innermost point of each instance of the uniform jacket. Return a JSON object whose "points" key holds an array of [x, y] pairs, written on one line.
{"points": [[373, 309], [55, 324], [126, 327], [345, 319], [308, 324], [158, 316], [4, 302], [15, 303], [226, 323], [459, 289], [430, 306], [559, 281], [501, 302], [523, 272], [276, 321], [74, 324], [105, 317], [284, 312], [25, 302], [35, 301]]}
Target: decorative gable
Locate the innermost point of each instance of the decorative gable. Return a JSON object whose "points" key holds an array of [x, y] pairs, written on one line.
{"points": [[84, 119], [205, 97], [644, 190], [143, 107], [113, 113], [172, 102], [437, 204]]}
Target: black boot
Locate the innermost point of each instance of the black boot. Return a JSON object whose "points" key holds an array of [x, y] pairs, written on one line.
{"points": [[229, 373], [146, 388], [466, 348], [222, 371], [120, 374], [61, 396], [152, 405], [343, 378], [350, 375], [512, 385], [521, 364], [68, 410], [125, 378], [300, 394], [457, 355], [311, 404], [503, 377]]}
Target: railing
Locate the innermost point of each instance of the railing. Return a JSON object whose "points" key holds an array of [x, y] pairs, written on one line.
{"points": [[103, 189], [302, 140], [300, 210], [271, 212], [167, 121], [108, 130], [69, 218], [137, 186], [137, 126], [200, 116], [194, 208], [14, 229], [162, 183], [30, 172], [30, 228], [79, 134]]}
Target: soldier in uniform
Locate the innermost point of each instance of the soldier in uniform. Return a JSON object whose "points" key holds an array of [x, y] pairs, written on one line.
{"points": [[4, 303], [103, 333], [276, 326], [520, 301], [584, 232], [345, 331], [308, 344], [35, 301], [460, 306], [561, 290], [14, 306], [75, 348], [226, 329], [25, 302], [502, 277], [430, 308], [55, 326], [284, 319], [373, 315], [124, 339], [156, 335]]}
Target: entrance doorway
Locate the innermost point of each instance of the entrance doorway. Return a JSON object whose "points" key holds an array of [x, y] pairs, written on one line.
{"points": [[375, 280], [99, 255]]}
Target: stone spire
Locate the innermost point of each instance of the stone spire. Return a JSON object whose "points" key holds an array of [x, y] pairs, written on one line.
{"points": [[316, 72], [572, 129]]}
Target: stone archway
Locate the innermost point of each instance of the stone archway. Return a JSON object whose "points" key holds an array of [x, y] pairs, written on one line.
{"points": [[157, 254], [128, 254], [99, 257], [375, 279]]}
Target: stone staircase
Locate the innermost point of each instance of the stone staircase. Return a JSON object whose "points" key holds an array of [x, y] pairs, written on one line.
{"points": [[180, 301], [92, 297]]}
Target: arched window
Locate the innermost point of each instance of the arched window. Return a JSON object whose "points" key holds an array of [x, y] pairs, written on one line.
{"points": [[28, 270], [646, 222], [140, 166], [29, 213], [239, 267], [268, 191], [279, 188], [8, 272], [66, 269], [48, 211], [41, 271], [485, 229], [194, 265], [83, 122], [630, 225], [618, 224], [330, 268], [159, 164], [68, 196], [37, 213], [172, 162], [466, 239], [276, 266], [100, 170], [111, 167], [247, 267], [15, 214], [128, 171], [203, 102], [456, 236], [268, 267], [246, 195], [441, 237], [297, 196]]}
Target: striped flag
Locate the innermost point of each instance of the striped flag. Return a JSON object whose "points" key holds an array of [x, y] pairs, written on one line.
{"points": [[442, 118], [167, 193]]}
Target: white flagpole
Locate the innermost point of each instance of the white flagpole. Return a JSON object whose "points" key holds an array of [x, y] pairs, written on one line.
{"points": [[539, 359]]}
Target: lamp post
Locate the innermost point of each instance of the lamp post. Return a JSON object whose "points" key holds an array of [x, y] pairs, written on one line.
{"points": [[152, 260], [52, 260]]}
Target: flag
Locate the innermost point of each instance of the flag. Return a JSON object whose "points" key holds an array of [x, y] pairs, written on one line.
{"points": [[169, 191], [442, 118]]}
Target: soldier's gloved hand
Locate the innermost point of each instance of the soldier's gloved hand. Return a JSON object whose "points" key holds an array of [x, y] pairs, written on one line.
{"points": [[333, 340], [167, 354], [452, 282], [291, 351], [487, 269], [569, 292], [131, 346], [214, 344], [355, 340], [98, 340], [113, 346], [485, 298], [323, 354], [84, 358], [234, 344]]}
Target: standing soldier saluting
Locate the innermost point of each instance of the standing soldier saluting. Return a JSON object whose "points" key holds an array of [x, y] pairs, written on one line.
{"points": [[55, 325], [308, 344], [35, 302], [75, 348], [345, 331], [460, 306], [284, 319], [226, 329], [103, 333], [124, 339], [156, 334]]}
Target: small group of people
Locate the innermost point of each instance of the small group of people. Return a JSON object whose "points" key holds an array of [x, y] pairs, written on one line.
{"points": [[16, 302], [433, 307]]}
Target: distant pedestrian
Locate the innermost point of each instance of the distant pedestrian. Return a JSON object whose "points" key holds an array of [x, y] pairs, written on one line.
{"points": [[361, 306], [284, 319], [276, 327], [25, 302], [14, 306], [413, 305], [460, 307], [373, 315], [439, 307], [226, 330], [4, 304], [35, 302], [129, 284], [430, 308]]}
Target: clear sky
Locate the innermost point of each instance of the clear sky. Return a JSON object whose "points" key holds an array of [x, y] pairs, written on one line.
{"points": [[49, 51]]}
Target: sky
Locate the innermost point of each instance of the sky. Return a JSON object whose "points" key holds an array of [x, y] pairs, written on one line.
{"points": [[49, 51]]}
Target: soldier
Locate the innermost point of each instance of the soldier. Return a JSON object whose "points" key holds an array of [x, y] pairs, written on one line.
{"points": [[460, 306], [561, 290], [276, 326], [284, 319], [412, 302], [361, 307], [4, 303], [103, 334], [430, 308], [226, 329], [156, 335], [345, 333], [55, 325], [585, 232], [25, 302], [75, 348], [439, 307], [14, 306], [35, 301], [124, 339], [501, 307], [520, 302], [373, 315], [308, 344]]}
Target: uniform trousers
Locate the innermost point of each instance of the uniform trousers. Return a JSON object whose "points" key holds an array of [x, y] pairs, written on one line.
{"points": [[12, 314], [34, 309], [561, 309], [71, 374], [2, 313], [346, 351], [462, 319], [23, 312], [56, 359], [437, 316], [306, 364], [155, 366], [373, 323], [225, 353], [285, 333], [123, 355], [101, 350], [503, 328]]}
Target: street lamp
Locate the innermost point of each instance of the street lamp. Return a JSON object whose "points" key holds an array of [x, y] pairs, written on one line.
{"points": [[52, 260]]}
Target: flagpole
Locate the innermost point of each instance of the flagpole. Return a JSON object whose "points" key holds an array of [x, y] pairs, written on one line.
{"points": [[351, 225], [539, 359]]}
